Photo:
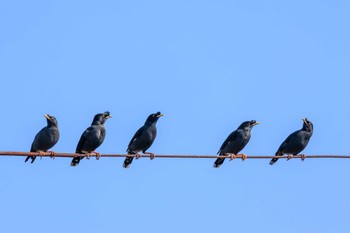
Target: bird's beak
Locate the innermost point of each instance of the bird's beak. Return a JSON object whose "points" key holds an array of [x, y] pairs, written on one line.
{"points": [[160, 115], [47, 116], [304, 120], [256, 123], [109, 116]]}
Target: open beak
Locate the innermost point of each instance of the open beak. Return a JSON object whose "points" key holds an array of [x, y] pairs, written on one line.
{"points": [[304, 120]]}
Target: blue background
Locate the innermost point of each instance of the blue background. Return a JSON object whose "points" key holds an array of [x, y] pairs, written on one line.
{"points": [[208, 66]]}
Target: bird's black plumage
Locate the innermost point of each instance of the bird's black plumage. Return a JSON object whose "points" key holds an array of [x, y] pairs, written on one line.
{"points": [[295, 142], [143, 138], [92, 137], [46, 138], [236, 141]]}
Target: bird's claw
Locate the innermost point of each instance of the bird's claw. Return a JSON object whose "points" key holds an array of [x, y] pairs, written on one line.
{"points": [[243, 157], [152, 156], [289, 157], [88, 155], [41, 154], [52, 154], [302, 157], [98, 155], [137, 156], [232, 156]]}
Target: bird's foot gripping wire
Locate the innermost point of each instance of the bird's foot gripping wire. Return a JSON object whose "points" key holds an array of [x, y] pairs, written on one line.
{"points": [[97, 154], [137, 156], [232, 156], [151, 155], [52, 154], [86, 153], [243, 156], [41, 154], [289, 157], [302, 157]]}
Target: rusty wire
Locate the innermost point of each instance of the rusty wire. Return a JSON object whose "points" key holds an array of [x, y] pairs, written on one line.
{"points": [[238, 156]]}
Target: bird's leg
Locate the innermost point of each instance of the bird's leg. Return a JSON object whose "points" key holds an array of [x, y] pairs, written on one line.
{"points": [[52, 154], [151, 155], [289, 157], [243, 156], [302, 156], [41, 154], [137, 156], [86, 153], [232, 156], [98, 155]]}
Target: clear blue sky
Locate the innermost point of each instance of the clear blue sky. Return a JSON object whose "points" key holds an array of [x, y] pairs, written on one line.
{"points": [[208, 66]]}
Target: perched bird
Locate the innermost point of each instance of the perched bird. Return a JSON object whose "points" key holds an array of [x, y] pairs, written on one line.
{"points": [[92, 138], [235, 142], [143, 139], [46, 138], [296, 142]]}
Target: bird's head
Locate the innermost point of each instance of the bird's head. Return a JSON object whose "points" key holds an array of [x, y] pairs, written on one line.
{"points": [[247, 125], [51, 120], [101, 118], [307, 125], [153, 118]]}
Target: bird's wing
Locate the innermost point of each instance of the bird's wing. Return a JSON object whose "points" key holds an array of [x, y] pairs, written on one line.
{"points": [[32, 149], [83, 139], [233, 136], [137, 134], [37, 140], [286, 142]]}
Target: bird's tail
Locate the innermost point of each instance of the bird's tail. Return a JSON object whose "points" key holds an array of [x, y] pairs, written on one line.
{"points": [[274, 160], [218, 162], [128, 161], [75, 161], [30, 157]]}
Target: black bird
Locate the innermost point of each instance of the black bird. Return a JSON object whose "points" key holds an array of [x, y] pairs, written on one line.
{"points": [[296, 142], [92, 138], [235, 142], [46, 138], [143, 139]]}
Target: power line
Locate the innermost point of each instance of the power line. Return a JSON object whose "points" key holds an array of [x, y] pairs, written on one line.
{"points": [[238, 156]]}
